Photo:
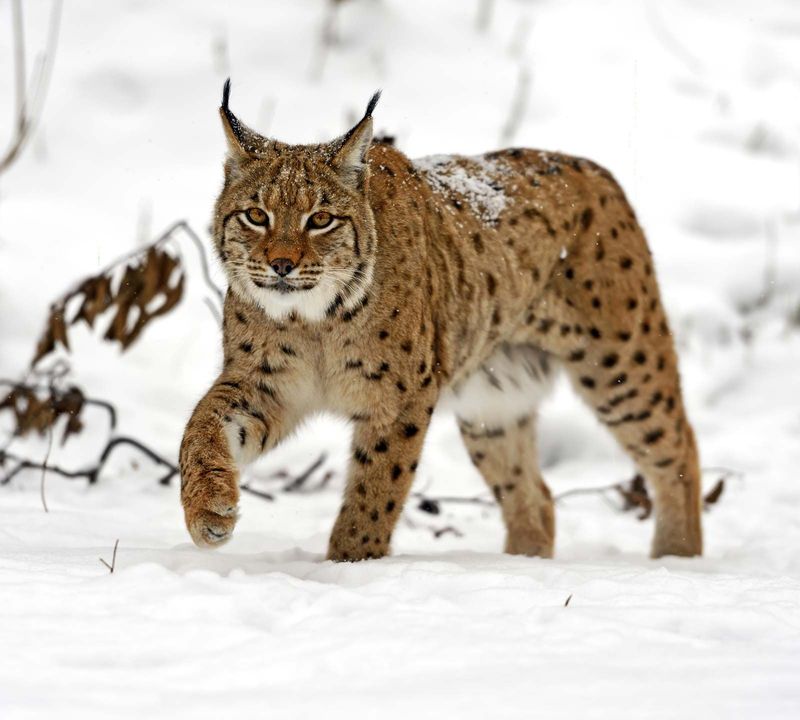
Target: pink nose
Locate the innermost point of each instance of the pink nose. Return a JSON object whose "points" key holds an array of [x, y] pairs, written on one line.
{"points": [[282, 266]]}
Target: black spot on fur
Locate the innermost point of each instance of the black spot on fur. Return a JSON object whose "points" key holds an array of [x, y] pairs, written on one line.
{"points": [[586, 218], [381, 446], [361, 456], [653, 436], [337, 301], [532, 213], [410, 430], [599, 252], [610, 360], [265, 389], [587, 382]]}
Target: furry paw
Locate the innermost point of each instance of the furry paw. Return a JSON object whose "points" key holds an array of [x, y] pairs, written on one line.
{"points": [[211, 520]]}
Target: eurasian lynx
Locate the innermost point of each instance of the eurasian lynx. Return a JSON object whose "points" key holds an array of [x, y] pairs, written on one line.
{"points": [[373, 286]]}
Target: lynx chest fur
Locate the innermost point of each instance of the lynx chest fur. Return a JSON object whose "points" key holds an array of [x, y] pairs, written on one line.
{"points": [[374, 286]]}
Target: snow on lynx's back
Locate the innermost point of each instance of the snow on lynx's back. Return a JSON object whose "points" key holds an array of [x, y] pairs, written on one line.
{"points": [[476, 179], [370, 286]]}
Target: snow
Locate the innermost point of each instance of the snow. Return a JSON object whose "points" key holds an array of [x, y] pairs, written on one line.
{"points": [[690, 105], [474, 178]]}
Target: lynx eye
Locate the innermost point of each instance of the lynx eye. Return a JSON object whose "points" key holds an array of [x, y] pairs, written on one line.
{"points": [[257, 216], [320, 220]]}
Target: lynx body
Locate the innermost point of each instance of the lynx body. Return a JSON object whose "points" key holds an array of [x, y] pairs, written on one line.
{"points": [[373, 286]]}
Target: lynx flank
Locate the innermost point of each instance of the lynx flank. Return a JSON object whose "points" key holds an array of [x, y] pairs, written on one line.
{"points": [[376, 287]]}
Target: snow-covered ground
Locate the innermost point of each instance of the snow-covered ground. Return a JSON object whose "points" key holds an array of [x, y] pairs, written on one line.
{"points": [[693, 105]]}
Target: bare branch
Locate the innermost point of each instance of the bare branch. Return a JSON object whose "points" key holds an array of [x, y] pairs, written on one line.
{"points": [[519, 105], [484, 17], [29, 103], [92, 473]]}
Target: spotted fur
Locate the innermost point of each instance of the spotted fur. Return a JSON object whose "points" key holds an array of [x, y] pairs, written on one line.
{"points": [[454, 278]]}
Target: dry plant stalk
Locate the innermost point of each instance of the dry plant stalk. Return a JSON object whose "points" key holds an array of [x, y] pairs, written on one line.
{"points": [[150, 285]]}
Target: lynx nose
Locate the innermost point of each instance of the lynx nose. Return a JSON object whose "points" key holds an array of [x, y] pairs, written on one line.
{"points": [[282, 266]]}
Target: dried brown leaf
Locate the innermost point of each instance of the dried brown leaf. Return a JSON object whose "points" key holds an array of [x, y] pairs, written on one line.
{"points": [[96, 293], [715, 493]]}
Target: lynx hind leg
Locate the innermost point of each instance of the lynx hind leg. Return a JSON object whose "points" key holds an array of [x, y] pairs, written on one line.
{"points": [[602, 317], [496, 410]]}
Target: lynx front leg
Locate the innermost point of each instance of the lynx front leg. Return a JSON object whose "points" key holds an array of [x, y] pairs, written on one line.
{"points": [[233, 423], [381, 472]]}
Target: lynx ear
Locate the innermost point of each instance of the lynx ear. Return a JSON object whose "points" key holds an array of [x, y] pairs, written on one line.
{"points": [[242, 141], [350, 151]]}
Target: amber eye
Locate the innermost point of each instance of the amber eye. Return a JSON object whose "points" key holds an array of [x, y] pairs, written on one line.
{"points": [[320, 220], [257, 216]]}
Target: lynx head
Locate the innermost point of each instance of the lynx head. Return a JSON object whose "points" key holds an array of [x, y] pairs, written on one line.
{"points": [[293, 226]]}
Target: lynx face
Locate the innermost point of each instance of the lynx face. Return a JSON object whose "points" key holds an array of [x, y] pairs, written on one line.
{"points": [[293, 226]]}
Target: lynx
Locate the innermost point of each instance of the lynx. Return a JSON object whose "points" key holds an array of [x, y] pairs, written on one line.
{"points": [[376, 287]]}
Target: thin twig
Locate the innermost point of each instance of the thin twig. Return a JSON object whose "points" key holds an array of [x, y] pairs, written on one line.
{"points": [[28, 112], [91, 474], [258, 493], [113, 559], [518, 107], [484, 17], [201, 251], [301, 479], [44, 467], [669, 41], [585, 491], [326, 40]]}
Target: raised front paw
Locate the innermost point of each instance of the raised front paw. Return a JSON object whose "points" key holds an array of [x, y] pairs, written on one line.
{"points": [[211, 516]]}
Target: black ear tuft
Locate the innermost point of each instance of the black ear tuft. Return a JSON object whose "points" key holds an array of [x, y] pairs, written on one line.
{"points": [[373, 101], [233, 121], [226, 93]]}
